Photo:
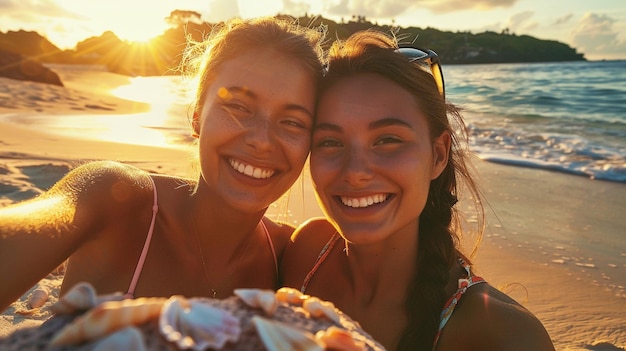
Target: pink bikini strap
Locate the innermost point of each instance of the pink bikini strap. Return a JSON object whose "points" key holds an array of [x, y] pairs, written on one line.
{"points": [[146, 245], [320, 258], [269, 240]]}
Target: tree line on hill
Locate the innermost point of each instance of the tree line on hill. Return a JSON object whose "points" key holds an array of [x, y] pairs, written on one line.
{"points": [[163, 54]]}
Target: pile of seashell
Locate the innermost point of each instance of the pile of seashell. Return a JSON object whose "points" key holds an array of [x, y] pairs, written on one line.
{"points": [[253, 319]]}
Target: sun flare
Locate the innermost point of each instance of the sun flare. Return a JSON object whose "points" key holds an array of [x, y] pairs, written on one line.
{"points": [[135, 21]]}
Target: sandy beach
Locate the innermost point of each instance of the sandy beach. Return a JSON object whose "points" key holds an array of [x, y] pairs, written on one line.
{"points": [[553, 241]]}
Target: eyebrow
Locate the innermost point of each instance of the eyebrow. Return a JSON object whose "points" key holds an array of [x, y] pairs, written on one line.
{"points": [[385, 122], [241, 90], [252, 95], [296, 107]]}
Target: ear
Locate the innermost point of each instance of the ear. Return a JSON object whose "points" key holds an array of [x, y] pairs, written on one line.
{"points": [[195, 125], [441, 153]]}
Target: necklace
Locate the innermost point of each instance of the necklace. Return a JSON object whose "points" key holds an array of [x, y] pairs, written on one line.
{"points": [[204, 269]]}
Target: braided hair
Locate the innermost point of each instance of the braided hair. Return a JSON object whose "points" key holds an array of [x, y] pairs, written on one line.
{"points": [[439, 223]]}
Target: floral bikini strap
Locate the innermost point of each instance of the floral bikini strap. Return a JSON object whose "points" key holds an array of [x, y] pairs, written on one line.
{"points": [[320, 258], [463, 285]]}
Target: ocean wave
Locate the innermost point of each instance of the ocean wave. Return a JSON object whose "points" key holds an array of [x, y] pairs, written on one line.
{"points": [[568, 117]]}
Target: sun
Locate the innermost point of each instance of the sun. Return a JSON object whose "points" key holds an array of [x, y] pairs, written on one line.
{"points": [[139, 33], [136, 20]]}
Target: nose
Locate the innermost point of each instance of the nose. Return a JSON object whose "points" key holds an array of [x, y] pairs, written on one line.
{"points": [[357, 169], [259, 134]]}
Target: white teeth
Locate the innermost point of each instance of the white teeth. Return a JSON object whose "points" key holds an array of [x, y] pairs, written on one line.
{"points": [[249, 170], [363, 201]]}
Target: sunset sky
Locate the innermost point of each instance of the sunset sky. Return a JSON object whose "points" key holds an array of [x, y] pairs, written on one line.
{"points": [[596, 28]]}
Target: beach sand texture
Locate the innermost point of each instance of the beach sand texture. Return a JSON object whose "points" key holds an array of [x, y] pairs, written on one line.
{"points": [[555, 242]]}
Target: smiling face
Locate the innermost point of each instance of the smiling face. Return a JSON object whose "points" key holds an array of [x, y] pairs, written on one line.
{"points": [[255, 128], [372, 158]]}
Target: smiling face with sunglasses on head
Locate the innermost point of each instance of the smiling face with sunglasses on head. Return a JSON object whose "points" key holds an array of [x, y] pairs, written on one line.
{"points": [[387, 165]]}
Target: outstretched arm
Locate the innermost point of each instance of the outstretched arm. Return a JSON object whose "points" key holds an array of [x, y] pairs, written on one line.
{"points": [[38, 235]]}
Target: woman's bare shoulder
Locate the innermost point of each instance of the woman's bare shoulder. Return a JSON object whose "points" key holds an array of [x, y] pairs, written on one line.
{"points": [[313, 230], [101, 190], [303, 249], [109, 178], [285, 235], [493, 320], [280, 233]]}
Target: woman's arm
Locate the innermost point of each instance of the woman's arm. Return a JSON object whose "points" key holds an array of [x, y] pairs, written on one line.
{"points": [[39, 234]]}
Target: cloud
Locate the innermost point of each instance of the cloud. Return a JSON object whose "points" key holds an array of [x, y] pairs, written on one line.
{"points": [[30, 11], [521, 22], [448, 6], [368, 8], [9, 4], [57, 23], [222, 10], [595, 35], [295, 8], [563, 19], [518, 23], [379, 9]]}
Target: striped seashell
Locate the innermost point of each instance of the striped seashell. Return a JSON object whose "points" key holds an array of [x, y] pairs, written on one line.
{"points": [[81, 296], [339, 339], [38, 298], [278, 336], [319, 308], [291, 296], [264, 299], [107, 318], [192, 324]]}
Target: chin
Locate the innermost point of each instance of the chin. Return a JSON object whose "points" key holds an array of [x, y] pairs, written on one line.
{"points": [[361, 236]]}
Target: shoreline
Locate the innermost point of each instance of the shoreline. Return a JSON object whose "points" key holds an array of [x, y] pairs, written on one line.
{"points": [[553, 241]]}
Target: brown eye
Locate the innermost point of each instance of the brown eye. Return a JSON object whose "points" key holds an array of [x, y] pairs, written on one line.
{"points": [[236, 106], [294, 123], [388, 140], [236, 109], [328, 142]]}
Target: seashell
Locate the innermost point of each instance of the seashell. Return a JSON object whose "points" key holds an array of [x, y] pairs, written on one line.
{"points": [[277, 336], [107, 318], [319, 308], [80, 297], [192, 324], [38, 298], [291, 296], [129, 338], [264, 299], [339, 339]]}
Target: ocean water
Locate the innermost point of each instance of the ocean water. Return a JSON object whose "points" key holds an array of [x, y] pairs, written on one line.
{"points": [[565, 116]]}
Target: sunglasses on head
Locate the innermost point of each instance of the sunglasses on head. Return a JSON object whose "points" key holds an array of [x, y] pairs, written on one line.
{"points": [[427, 59]]}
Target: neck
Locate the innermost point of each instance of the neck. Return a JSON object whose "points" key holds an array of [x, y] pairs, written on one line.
{"points": [[214, 219], [385, 268]]}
